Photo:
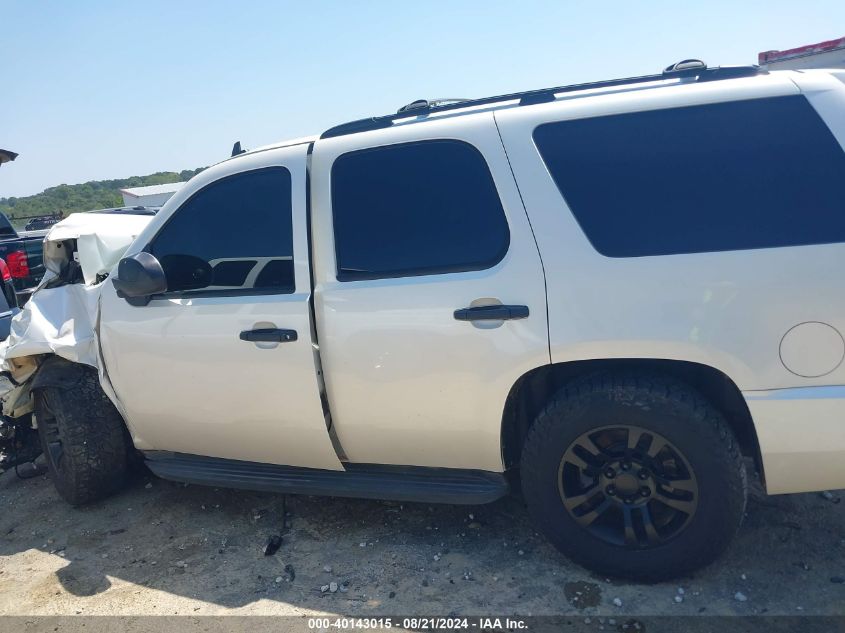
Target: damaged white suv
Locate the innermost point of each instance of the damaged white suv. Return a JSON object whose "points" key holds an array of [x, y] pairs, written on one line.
{"points": [[623, 291]]}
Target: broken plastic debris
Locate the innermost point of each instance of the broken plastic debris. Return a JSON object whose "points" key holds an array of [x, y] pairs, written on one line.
{"points": [[273, 545]]}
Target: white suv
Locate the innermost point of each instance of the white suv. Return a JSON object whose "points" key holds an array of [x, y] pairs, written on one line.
{"points": [[622, 291]]}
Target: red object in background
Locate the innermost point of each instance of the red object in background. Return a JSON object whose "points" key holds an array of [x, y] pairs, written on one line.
{"points": [[4, 271], [822, 47], [17, 264]]}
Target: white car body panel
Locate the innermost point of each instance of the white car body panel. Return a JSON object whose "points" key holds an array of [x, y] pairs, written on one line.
{"points": [[59, 321], [727, 310], [406, 382], [711, 293], [188, 384], [801, 436]]}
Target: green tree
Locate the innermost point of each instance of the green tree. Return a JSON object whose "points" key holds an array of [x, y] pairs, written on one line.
{"points": [[97, 194]]}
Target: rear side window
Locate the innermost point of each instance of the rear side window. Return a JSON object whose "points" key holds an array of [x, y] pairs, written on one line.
{"points": [[240, 228], [416, 209], [750, 174]]}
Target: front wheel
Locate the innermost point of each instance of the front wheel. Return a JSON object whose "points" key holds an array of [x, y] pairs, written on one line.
{"points": [[633, 476], [83, 439]]}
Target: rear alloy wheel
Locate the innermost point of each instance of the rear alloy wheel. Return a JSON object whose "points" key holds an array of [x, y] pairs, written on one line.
{"points": [[628, 486], [635, 476]]}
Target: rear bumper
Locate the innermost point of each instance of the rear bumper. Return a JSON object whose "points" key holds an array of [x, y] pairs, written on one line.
{"points": [[802, 437]]}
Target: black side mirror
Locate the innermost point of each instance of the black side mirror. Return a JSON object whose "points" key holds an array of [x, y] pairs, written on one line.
{"points": [[139, 277]]}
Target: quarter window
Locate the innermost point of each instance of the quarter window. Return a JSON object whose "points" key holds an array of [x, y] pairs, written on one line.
{"points": [[422, 208], [233, 235], [761, 173]]}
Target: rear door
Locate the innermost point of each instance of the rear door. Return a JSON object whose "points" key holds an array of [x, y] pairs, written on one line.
{"points": [[429, 291], [187, 368]]}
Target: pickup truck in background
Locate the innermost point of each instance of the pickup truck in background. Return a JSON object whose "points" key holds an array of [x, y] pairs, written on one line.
{"points": [[22, 253], [8, 300]]}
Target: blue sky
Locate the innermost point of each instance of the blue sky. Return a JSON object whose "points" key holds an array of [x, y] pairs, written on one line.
{"points": [[97, 89]]}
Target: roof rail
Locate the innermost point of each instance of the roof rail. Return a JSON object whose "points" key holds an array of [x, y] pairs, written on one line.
{"points": [[688, 68], [423, 104]]}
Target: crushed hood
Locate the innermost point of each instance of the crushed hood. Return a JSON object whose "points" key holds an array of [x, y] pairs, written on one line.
{"points": [[101, 240], [62, 319]]}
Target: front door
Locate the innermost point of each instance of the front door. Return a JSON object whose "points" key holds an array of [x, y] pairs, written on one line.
{"points": [[194, 370]]}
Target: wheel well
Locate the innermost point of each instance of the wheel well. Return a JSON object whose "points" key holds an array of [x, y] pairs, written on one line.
{"points": [[56, 371], [532, 391]]}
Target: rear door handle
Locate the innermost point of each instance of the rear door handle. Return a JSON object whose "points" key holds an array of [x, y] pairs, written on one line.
{"points": [[492, 313], [268, 335]]}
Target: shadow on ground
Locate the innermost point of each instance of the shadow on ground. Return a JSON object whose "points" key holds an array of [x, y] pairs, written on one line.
{"points": [[164, 548]]}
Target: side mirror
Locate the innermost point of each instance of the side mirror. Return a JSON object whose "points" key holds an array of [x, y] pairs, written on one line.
{"points": [[139, 277]]}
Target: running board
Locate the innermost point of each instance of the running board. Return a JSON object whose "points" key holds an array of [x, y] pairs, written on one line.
{"points": [[366, 481]]}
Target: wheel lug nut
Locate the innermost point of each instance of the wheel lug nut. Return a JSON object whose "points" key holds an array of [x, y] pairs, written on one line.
{"points": [[644, 491], [610, 490], [626, 466], [610, 473], [643, 474]]}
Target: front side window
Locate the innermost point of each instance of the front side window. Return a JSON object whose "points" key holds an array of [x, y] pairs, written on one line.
{"points": [[233, 235], [422, 208], [760, 173]]}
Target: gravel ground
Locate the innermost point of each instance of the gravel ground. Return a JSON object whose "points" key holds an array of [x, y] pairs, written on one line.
{"points": [[165, 548]]}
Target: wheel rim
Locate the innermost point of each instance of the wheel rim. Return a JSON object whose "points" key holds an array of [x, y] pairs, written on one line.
{"points": [[628, 486]]}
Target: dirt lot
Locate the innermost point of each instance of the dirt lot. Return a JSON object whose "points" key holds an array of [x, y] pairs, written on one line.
{"points": [[165, 548]]}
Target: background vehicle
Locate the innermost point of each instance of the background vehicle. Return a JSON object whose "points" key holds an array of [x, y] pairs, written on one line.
{"points": [[829, 54], [17, 438], [604, 286], [8, 300], [42, 222]]}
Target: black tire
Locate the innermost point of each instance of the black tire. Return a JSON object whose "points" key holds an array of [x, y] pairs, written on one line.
{"points": [[648, 407], [83, 438]]}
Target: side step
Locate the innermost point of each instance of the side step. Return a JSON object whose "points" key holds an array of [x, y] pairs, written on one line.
{"points": [[366, 481]]}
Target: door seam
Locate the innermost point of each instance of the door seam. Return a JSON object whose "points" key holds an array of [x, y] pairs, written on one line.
{"points": [[312, 313], [534, 237]]}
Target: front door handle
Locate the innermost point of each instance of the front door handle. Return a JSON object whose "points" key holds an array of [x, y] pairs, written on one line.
{"points": [[492, 313], [268, 335]]}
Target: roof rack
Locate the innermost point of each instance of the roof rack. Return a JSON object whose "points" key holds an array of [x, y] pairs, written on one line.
{"points": [[688, 68]]}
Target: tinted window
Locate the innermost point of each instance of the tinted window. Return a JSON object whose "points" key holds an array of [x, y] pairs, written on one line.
{"points": [[5, 226], [234, 234], [416, 209], [747, 174]]}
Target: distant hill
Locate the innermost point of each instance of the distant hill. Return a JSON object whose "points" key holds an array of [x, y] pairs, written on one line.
{"points": [[96, 194]]}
